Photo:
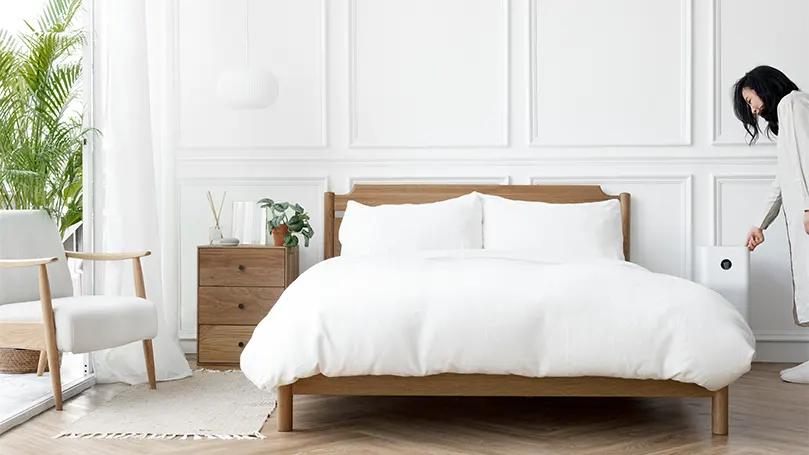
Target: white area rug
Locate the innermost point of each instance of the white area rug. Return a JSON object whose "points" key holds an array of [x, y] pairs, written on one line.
{"points": [[19, 392], [207, 405]]}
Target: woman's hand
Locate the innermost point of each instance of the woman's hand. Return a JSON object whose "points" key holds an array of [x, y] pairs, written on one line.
{"points": [[806, 221], [756, 235]]}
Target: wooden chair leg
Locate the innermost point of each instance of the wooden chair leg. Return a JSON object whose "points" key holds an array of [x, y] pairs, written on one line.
{"points": [[284, 419], [50, 336], [43, 361], [56, 375], [148, 353], [719, 412]]}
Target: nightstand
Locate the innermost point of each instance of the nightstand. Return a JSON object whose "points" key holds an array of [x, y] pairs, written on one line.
{"points": [[236, 287]]}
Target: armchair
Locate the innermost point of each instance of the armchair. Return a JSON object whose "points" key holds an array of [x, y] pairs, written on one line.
{"points": [[38, 310]]}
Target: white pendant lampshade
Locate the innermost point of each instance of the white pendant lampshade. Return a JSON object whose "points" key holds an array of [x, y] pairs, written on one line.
{"points": [[247, 88]]}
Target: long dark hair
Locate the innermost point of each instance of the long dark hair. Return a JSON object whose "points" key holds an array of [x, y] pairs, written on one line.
{"points": [[771, 85]]}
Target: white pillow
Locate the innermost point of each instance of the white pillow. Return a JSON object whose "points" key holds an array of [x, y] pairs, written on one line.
{"points": [[554, 232], [444, 225]]}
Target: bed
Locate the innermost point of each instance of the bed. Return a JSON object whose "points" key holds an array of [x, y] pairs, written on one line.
{"points": [[499, 320]]}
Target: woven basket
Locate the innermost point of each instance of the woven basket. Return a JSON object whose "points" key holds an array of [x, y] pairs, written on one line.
{"points": [[20, 361]]}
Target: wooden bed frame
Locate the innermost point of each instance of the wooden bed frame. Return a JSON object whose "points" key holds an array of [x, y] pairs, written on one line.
{"points": [[481, 384]]}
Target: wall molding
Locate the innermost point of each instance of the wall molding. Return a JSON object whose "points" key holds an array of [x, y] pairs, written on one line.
{"points": [[354, 140], [489, 159], [429, 180], [717, 180], [718, 137], [686, 107], [181, 144], [782, 336], [716, 71], [686, 182], [318, 182]]}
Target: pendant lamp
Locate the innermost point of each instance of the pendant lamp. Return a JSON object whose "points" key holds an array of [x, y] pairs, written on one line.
{"points": [[247, 86]]}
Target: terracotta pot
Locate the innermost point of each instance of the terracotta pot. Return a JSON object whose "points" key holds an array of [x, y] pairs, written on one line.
{"points": [[278, 234]]}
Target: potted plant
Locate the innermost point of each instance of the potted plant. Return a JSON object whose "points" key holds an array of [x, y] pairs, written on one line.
{"points": [[284, 227]]}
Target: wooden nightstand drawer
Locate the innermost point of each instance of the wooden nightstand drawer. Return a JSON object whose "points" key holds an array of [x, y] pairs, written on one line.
{"points": [[242, 267], [237, 287], [223, 343], [235, 305]]}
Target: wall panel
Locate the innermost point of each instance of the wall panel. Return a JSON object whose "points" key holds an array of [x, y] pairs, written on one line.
{"points": [[738, 205], [661, 217], [196, 217], [610, 73], [429, 74], [748, 33], [285, 38]]}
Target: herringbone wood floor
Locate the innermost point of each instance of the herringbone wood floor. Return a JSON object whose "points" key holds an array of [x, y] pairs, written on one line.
{"points": [[768, 416]]}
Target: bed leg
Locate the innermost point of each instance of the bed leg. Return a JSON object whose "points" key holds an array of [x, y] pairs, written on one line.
{"points": [[719, 412], [285, 408]]}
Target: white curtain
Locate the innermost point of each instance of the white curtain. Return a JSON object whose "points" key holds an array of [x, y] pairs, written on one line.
{"points": [[128, 157]]}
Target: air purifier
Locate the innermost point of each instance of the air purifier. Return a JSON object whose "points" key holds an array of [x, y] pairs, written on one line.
{"points": [[726, 270]]}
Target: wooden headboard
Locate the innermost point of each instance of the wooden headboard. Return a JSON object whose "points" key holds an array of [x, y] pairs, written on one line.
{"points": [[372, 195]]}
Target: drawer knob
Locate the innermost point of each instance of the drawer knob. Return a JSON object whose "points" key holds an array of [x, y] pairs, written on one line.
{"points": [[241, 344], [241, 267], [241, 306]]}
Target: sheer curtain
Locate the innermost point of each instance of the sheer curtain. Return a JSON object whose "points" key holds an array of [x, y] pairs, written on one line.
{"points": [[127, 157]]}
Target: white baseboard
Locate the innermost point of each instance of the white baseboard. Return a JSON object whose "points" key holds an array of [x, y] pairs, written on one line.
{"points": [[189, 346], [782, 351]]}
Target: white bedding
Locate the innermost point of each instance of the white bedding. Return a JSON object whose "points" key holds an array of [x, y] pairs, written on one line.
{"points": [[489, 312]]}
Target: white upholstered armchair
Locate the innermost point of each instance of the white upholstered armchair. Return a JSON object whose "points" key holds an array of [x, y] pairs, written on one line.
{"points": [[38, 310]]}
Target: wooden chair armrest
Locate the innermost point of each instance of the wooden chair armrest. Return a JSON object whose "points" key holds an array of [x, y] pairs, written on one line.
{"points": [[107, 256], [140, 286], [12, 263]]}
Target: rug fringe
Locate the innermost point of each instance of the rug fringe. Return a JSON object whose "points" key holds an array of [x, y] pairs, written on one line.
{"points": [[166, 436], [206, 370]]}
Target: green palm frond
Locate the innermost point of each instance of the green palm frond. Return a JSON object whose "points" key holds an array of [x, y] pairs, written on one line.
{"points": [[41, 126], [58, 15]]}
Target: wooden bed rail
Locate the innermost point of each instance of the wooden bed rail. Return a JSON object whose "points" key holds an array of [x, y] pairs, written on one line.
{"points": [[498, 385]]}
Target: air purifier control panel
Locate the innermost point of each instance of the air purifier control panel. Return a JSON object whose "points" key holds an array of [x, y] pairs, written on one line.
{"points": [[726, 270]]}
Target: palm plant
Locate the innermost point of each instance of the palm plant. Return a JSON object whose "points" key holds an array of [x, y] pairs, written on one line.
{"points": [[41, 131]]}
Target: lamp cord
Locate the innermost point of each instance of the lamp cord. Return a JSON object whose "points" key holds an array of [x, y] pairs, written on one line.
{"points": [[247, 34]]}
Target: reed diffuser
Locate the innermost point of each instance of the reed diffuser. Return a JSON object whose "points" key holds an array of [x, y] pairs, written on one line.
{"points": [[215, 232]]}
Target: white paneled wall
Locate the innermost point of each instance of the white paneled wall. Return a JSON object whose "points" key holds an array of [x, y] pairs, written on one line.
{"points": [[589, 60], [660, 240], [779, 29], [630, 94], [428, 74], [284, 37], [771, 280], [194, 207]]}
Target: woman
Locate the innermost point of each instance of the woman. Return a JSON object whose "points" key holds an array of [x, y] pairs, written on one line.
{"points": [[767, 93]]}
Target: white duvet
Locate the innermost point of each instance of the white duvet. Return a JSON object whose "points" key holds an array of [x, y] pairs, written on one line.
{"points": [[488, 312]]}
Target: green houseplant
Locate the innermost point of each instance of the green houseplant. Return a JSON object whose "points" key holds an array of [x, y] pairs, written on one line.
{"points": [[41, 128], [284, 227], [41, 120]]}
